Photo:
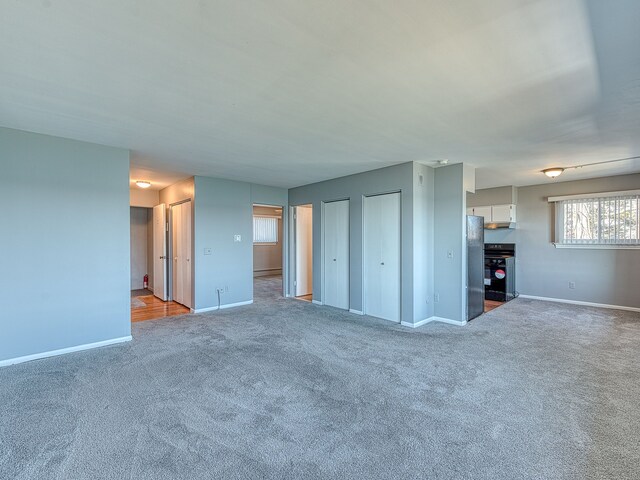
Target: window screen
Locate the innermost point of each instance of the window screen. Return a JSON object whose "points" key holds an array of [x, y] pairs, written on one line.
{"points": [[265, 229]]}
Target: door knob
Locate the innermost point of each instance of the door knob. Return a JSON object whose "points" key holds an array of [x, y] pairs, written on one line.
{"points": [[334, 259], [381, 263]]}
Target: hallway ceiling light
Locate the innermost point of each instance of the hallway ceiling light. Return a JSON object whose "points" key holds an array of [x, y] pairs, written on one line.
{"points": [[143, 184], [553, 172]]}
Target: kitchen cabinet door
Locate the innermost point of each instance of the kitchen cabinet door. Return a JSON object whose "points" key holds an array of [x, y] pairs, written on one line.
{"points": [[483, 212], [503, 213]]}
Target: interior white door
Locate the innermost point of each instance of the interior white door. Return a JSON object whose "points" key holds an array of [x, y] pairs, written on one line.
{"points": [[186, 254], [304, 250], [336, 254], [382, 256], [176, 252], [181, 252], [160, 251]]}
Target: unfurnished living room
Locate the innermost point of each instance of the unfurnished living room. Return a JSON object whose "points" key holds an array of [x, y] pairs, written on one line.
{"points": [[320, 239]]}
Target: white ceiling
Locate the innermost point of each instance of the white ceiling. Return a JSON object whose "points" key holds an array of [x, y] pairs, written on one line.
{"points": [[284, 92]]}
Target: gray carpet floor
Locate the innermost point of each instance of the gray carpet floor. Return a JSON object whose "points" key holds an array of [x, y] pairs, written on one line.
{"points": [[287, 389]]}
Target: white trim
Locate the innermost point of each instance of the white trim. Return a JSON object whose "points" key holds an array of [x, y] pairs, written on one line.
{"points": [[63, 351], [316, 302], [578, 302], [598, 246], [594, 195], [450, 321], [357, 312], [418, 324], [222, 307]]}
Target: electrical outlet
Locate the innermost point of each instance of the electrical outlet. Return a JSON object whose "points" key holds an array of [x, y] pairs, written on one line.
{"points": [[449, 254], [572, 285], [237, 238], [436, 297]]}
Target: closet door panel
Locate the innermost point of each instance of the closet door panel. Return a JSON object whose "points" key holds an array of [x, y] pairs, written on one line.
{"points": [[382, 256], [336, 254]]}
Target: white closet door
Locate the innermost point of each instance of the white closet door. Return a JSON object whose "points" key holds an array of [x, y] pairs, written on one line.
{"points": [[336, 254], [382, 256], [160, 251], [185, 221], [176, 251]]}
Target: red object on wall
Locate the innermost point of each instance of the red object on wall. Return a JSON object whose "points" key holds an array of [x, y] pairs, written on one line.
{"points": [[146, 281]]}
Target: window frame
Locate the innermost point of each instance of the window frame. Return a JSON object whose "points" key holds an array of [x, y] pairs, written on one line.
{"points": [[598, 244]]}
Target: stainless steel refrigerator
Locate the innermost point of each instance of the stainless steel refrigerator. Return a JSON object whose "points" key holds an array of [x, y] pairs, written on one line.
{"points": [[475, 266]]}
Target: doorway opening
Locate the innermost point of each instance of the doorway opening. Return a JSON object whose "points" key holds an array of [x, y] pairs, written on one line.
{"points": [[268, 241], [303, 252], [150, 288]]}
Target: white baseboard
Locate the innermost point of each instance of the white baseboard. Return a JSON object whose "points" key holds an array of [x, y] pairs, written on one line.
{"points": [[460, 323], [578, 302], [63, 351], [222, 307], [357, 312], [418, 324], [317, 302], [433, 319]]}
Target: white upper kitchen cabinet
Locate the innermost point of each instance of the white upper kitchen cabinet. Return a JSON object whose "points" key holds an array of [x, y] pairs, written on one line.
{"points": [[503, 213], [483, 212], [495, 213]]}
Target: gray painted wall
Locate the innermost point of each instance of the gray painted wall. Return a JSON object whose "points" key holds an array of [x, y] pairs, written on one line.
{"points": [[450, 236], [65, 279], [601, 276], [398, 178], [423, 241], [493, 196], [222, 209]]}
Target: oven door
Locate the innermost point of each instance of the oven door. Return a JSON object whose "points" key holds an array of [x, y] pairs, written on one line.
{"points": [[495, 283]]}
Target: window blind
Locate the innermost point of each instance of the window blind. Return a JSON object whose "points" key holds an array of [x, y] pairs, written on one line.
{"points": [[265, 229], [613, 220]]}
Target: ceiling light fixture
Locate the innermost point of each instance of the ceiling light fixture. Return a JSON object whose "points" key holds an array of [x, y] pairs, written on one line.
{"points": [[143, 184], [553, 172], [556, 171]]}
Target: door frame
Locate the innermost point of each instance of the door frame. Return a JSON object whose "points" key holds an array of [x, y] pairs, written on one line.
{"points": [[293, 267], [400, 271], [283, 240], [322, 249]]}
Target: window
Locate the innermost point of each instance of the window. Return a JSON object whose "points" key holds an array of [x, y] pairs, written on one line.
{"points": [[265, 229], [604, 219]]}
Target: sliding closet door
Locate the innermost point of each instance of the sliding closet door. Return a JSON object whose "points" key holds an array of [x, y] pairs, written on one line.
{"points": [[181, 251], [382, 256], [336, 254]]}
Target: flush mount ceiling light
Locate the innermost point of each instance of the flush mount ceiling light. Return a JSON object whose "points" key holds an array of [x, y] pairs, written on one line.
{"points": [[143, 184], [556, 171], [553, 172]]}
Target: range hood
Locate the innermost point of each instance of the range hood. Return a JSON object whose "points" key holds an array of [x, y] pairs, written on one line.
{"points": [[499, 225]]}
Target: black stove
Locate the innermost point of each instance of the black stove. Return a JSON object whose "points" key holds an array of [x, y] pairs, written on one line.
{"points": [[500, 271]]}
